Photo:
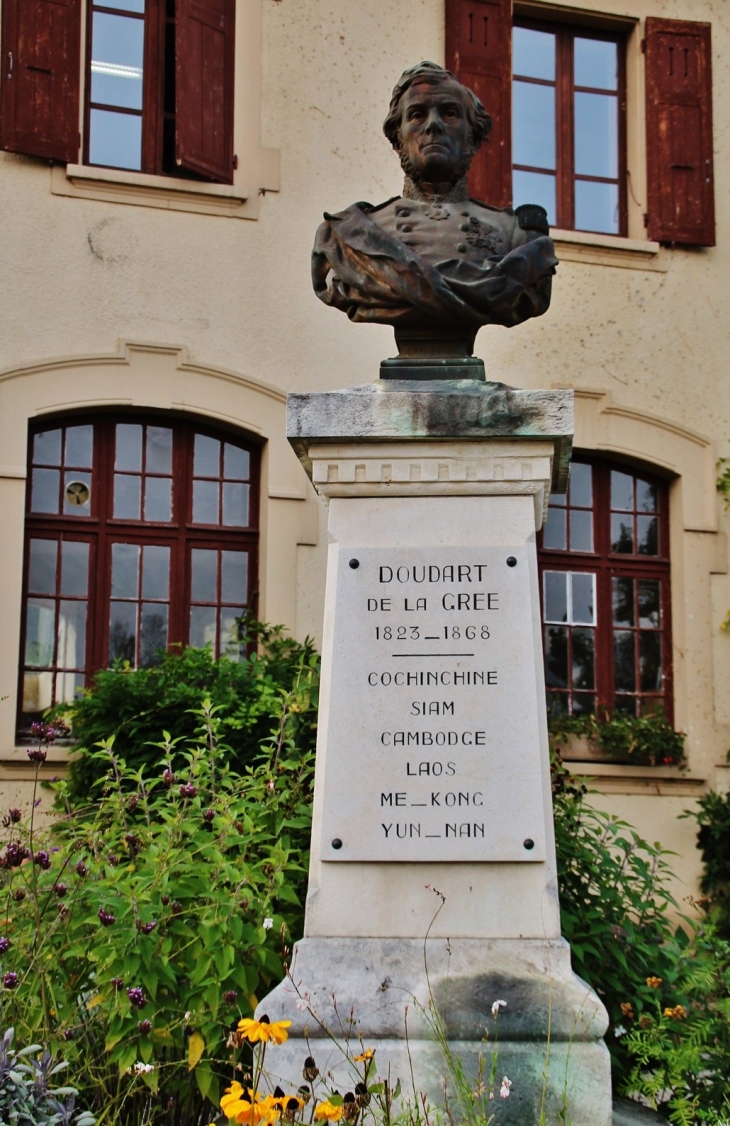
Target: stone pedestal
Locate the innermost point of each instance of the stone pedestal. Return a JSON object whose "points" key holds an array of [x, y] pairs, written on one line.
{"points": [[432, 760]]}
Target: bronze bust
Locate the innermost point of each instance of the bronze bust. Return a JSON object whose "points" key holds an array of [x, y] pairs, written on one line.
{"points": [[432, 262]]}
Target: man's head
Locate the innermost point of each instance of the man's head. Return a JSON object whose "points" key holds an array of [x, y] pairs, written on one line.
{"points": [[435, 124]]}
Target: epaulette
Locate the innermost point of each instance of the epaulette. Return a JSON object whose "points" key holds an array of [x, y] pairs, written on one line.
{"points": [[532, 217]]}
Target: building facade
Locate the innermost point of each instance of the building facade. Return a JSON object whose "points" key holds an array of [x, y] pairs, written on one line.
{"points": [[165, 165]]}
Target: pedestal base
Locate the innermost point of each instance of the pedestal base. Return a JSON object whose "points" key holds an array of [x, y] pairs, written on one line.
{"points": [[416, 368], [376, 991]]}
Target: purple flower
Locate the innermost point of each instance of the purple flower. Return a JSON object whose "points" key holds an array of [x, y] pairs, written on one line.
{"points": [[188, 790], [168, 778], [144, 1026], [12, 817], [60, 890], [113, 860], [4, 945], [146, 928], [63, 910], [10, 980], [15, 854], [164, 899], [42, 859], [132, 802], [208, 814], [230, 996], [176, 907], [132, 841], [81, 869], [137, 997], [18, 895], [37, 754], [69, 1034], [118, 983], [106, 918]]}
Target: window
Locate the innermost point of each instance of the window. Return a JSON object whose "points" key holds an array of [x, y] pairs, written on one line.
{"points": [[140, 534], [568, 106], [158, 84], [604, 569]]}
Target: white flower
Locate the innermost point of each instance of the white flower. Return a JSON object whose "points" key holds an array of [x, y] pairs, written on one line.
{"points": [[504, 1089], [144, 1068], [268, 923], [497, 1006], [619, 1030], [188, 1015]]}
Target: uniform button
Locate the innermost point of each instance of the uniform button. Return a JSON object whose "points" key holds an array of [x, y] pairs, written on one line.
{"points": [[464, 227], [465, 214], [461, 247], [404, 226], [402, 211]]}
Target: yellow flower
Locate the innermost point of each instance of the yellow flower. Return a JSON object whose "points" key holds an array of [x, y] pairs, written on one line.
{"points": [[328, 1111], [368, 1054], [248, 1108], [654, 982], [678, 1012], [263, 1030], [627, 1009]]}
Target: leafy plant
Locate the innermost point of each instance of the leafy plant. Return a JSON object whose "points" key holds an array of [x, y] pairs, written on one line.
{"points": [[713, 839], [640, 740], [26, 1095]]}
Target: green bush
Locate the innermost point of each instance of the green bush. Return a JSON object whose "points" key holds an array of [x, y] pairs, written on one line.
{"points": [[26, 1095], [136, 705], [639, 740], [713, 839]]}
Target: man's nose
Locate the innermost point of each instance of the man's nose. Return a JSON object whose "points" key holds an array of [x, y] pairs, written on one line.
{"points": [[434, 123]]}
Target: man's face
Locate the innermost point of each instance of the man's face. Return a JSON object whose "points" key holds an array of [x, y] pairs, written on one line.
{"points": [[434, 131]]}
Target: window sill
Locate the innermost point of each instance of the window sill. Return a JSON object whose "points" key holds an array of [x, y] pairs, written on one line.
{"points": [[609, 250], [113, 185], [619, 778]]}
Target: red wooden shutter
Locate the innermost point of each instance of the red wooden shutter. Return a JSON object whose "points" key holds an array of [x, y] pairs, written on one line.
{"points": [[204, 71], [40, 82], [479, 52], [679, 132]]}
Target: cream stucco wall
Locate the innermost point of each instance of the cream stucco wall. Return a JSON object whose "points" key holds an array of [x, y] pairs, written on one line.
{"points": [[213, 293]]}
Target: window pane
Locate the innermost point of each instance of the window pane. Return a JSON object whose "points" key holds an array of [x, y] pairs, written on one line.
{"points": [[159, 450], [128, 447], [71, 634], [47, 447], [123, 631], [74, 568], [622, 534], [559, 498], [647, 533], [583, 601], [79, 446], [234, 576], [557, 704], [232, 633], [115, 139], [533, 125], [39, 630], [117, 47], [205, 502], [37, 691], [649, 603], [158, 498], [583, 658], [533, 53], [42, 567], [207, 458], [44, 490], [596, 207], [204, 582], [236, 463], [596, 135], [125, 570], [622, 491], [624, 661], [68, 686], [203, 626], [235, 504], [153, 641], [127, 491], [155, 571], [622, 592], [583, 703], [556, 596], [581, 530], [535, 187], [650, 661], [554, 535], [581, 484], [625, 704], [77, 493], [595, 63], [556, 657], [646, 496]]}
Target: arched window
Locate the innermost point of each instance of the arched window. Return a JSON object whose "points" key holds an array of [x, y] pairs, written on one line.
{"points": [[141, 532], [604, 568]]}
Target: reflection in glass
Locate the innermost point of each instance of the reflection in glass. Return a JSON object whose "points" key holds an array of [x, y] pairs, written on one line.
{"points": [[236, 463], [44, 490], [234, 576], [581, 484], [535, 187], [74, 568], [625, 704], [232, 631], [556, 596], [650, 661], [622, 597], [205, 502], [584, 703], [647, 533], [128, 447], [68, 686], [646, 496], [622, 534], [158, 498], [554, 535], [127, 492], [39, 630], [204, 581], [153, 640], [556, 656], [583, 600], [581, 529], [79, 446], [235, 504], [71, 634], [596, 207], [123, 631], [557, 704], [159, 450], [533, 125], [622, 491], [624, 661], [595, 63], [117, 47], [125, 570], [596, 135], [583, 658], [533, 53], [649, 604], [37, 691], [203, 626], [47, 447], [207, 458], [42, 566], [115, 139], [155, 571]]}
